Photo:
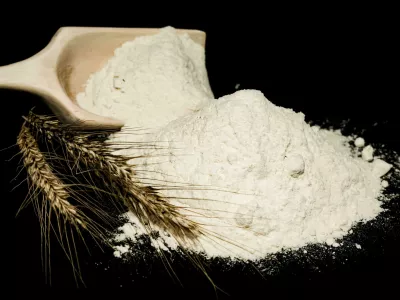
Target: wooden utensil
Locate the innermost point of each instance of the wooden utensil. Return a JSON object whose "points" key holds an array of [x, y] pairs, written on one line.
{"points": [[58, 72]]}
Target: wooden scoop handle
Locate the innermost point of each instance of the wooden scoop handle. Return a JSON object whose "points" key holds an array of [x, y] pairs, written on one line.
{"points": [[33, 75]]}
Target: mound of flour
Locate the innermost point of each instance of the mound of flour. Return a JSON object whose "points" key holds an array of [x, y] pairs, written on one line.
{"points": [[150, 81], [255, 175]]}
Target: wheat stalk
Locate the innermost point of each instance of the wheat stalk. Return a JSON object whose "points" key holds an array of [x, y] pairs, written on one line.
{"points": [[116, 175], [55, 199], [115, 172]]}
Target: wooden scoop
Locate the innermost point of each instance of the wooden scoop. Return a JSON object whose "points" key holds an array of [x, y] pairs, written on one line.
{"points": [[59, 72]]}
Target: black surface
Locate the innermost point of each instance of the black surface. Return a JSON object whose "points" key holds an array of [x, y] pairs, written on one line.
{"points": [[327, 68]]}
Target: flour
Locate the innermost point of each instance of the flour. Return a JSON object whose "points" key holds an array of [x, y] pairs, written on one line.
{"points": [[368, 153], [119, 250], [256, 175], [289, 184], [150, 81], [384, 183], [359, 142]]}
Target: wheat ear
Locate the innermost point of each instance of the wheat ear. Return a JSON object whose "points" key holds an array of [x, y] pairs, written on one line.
{"points": [[44, 179], [145, 202], [55, 199], [119, 177]]}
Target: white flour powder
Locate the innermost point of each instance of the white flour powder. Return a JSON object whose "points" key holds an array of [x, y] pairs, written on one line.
{"points": [[255, 175], [150, 81]]}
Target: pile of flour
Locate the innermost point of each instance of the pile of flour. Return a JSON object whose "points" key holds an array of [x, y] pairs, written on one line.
{"points": [[256, 175]]}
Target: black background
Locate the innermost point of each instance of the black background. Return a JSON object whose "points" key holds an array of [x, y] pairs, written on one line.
{"points": [[336, 66]]}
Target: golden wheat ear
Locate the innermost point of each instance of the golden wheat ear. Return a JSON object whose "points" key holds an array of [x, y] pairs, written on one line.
{"points": [[119, 177], [113, 179], [53, 203]]}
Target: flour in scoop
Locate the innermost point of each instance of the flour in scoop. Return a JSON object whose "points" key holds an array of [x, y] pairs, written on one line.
{"points": [[269, 181], [150, 81]]}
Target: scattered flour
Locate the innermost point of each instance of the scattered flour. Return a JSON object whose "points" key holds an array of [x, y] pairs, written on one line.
{"points": [[119, 250], [268, 180], [384, 183], [359, 142], [368, 153]]}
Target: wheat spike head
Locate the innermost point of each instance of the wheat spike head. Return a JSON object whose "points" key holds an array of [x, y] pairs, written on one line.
{"points": [[116, 175], [43, 178], [144, 201]]}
